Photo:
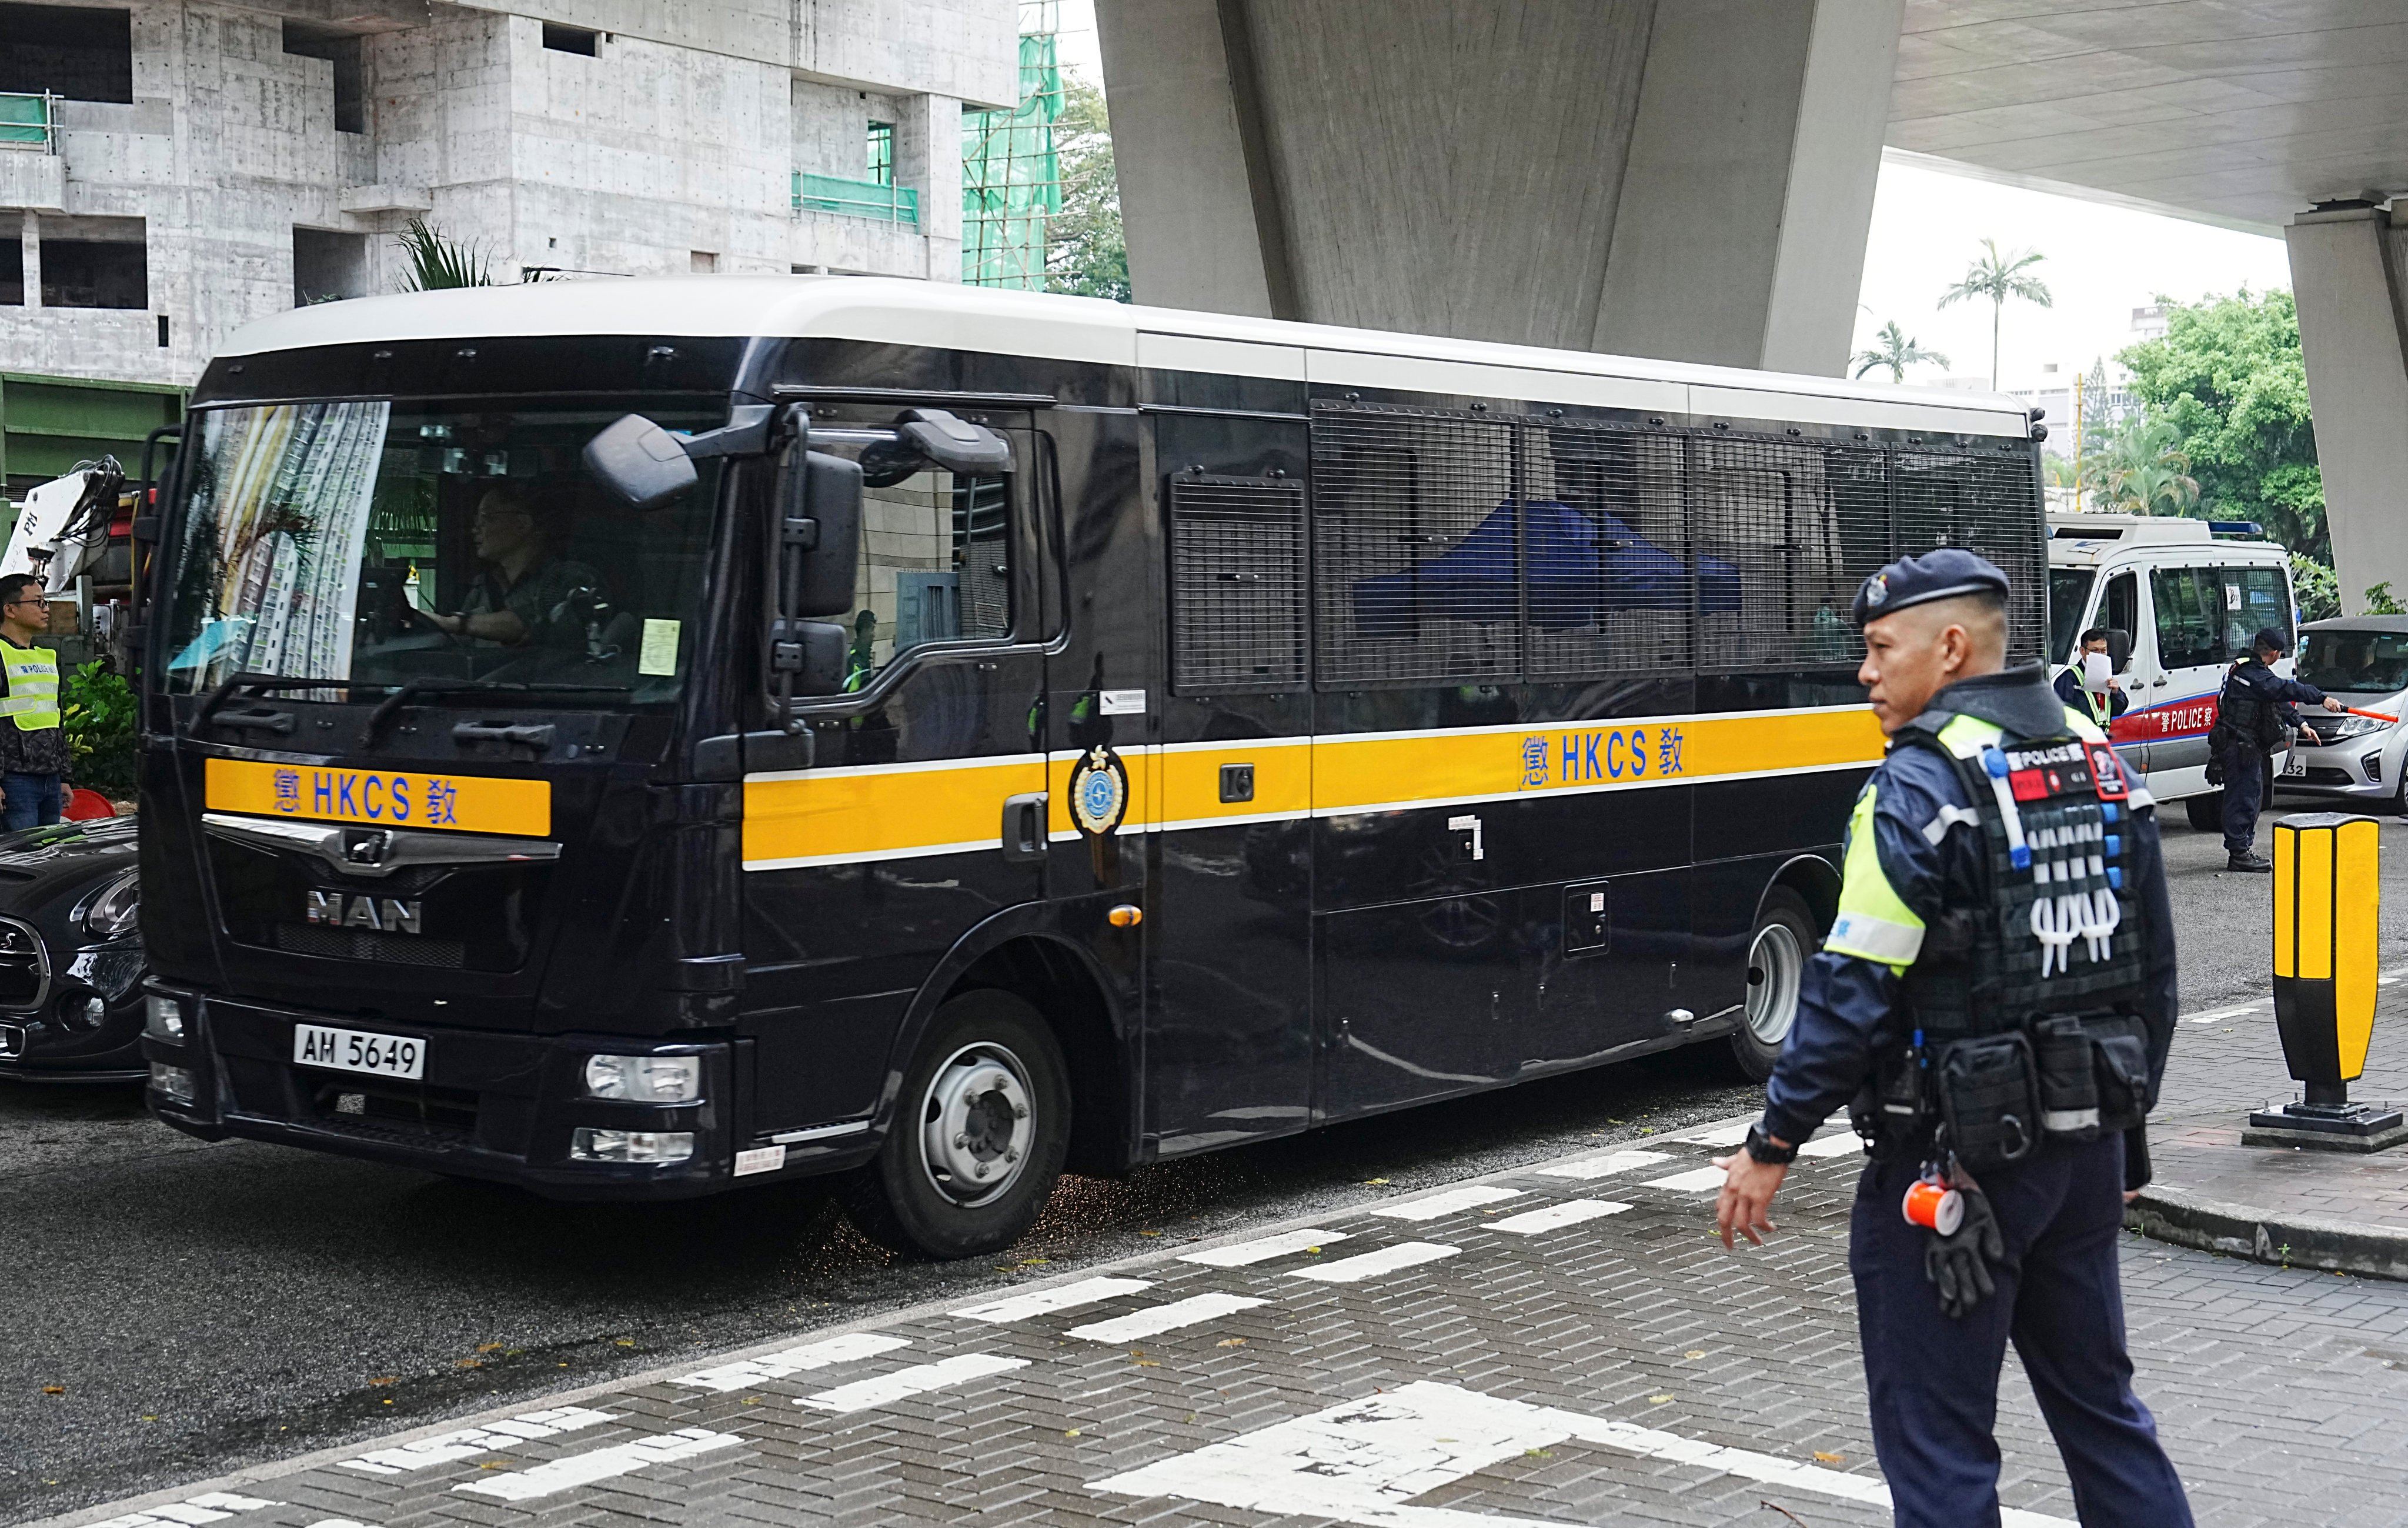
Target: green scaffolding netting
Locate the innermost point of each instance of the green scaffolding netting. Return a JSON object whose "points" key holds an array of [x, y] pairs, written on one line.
{"points": [[1011, 180]]}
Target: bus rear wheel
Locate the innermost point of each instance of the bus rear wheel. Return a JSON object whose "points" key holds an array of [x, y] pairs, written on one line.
{"points": [[1777, 950], [979, 1135]]}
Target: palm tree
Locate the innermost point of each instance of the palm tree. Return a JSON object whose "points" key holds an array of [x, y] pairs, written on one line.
{"points": [[2140, 468], [1997, 278], [1892, 348], [437, 262]]}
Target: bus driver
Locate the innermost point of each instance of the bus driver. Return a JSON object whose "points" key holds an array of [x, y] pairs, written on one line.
{"points": [[525, 592]]}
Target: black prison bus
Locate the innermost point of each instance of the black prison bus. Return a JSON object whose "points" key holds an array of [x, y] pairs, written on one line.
{"points": [[637, 739]]}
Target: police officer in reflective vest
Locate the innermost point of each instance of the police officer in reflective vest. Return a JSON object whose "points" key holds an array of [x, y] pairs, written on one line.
{"points": [[1994, 1005], [2252, 717], [33, 748]]}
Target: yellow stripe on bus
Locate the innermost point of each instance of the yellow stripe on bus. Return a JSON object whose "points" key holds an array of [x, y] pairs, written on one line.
{"points": [[460, 804], [883, 812], [1352, 774]]}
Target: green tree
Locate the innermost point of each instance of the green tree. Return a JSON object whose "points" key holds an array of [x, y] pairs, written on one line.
{"points": [[2140, 468], [1892, 351], [2228, 374], [1997, 278], [96, 712], [2319, 592], [1089, 253], [437, 261]]}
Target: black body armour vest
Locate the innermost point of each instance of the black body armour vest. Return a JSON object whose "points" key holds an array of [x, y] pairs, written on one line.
{"points": [[2025, 1004], [2244, 714]]}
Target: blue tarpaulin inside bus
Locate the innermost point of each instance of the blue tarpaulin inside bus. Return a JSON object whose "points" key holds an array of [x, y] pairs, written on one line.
{"points": [[1580, 566]]}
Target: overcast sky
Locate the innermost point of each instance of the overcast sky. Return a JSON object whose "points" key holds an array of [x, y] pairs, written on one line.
{"points": [[2102, 262]]}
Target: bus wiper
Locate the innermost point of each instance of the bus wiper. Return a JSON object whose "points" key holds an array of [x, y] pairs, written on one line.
{"points": [[261, 684], [387, 708]]}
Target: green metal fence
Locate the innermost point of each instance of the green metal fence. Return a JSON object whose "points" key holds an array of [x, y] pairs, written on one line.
{"points": [[25, 121], [856, 198]]}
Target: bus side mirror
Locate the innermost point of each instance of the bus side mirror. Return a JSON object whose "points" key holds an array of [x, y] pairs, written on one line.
{"points": [[814, 556], [2119, 650], [819, 531], [640, 462]]}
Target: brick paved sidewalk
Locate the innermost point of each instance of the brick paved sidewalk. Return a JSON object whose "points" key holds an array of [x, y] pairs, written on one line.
{"points": [[2228, 1062], [1562, 1342]]}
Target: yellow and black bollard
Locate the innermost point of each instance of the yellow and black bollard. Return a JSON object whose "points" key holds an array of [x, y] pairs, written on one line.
{"points": [[2326, 896]]}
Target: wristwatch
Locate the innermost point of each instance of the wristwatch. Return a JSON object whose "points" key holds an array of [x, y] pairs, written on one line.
{"points": [[1761, 1147]]}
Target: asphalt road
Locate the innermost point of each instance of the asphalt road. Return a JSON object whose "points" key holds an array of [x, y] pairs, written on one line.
{"points": [[203, 1307]]}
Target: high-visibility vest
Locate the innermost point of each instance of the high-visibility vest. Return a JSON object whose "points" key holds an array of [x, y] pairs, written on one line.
{"points": [[33, 675]]}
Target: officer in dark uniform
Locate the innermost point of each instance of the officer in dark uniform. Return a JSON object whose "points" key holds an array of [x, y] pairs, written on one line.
{"points": [[2251, 717], [1961, 992]]}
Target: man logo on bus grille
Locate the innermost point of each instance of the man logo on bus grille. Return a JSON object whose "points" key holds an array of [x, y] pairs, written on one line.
{"points": [[388, 915], [1098, 791]]}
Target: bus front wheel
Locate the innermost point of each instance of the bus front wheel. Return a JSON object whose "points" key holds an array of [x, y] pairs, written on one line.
{"points": [[1777, 949], [979, 1135]]}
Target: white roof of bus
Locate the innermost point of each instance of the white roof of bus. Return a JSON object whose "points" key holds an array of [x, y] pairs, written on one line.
{"points": [[891, 311]]}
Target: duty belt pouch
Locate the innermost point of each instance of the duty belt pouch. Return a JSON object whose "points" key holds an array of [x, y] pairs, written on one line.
{"points": [[1889, 1112], [1989, 1100], [2119, 1048], [2068, 1086]]}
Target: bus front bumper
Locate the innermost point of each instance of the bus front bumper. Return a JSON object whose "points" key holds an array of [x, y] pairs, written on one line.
{"points": [[509, 1109]]}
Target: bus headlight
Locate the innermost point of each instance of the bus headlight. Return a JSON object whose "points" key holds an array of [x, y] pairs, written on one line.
{"points": [[630, 1146], [163, 1018], [644, 1079]]}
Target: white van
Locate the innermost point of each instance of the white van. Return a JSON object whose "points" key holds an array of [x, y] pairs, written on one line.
{"points": [[2183, 597]]}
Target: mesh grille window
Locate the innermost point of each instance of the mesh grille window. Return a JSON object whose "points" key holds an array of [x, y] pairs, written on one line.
{"points": [[1987, 504], [1452, 548], [1416, 546], [1236, 585], [1784, 533], [1608, 543]]}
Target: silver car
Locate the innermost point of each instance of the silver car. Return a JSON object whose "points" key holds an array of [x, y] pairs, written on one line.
{"points": [[2362, 661]]}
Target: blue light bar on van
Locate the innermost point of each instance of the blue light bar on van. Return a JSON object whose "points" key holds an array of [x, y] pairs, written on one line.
{"points": [[2246, 529]]}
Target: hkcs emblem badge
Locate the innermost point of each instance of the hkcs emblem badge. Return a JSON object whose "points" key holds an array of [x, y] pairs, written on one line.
{"points": [[1098, 791]]}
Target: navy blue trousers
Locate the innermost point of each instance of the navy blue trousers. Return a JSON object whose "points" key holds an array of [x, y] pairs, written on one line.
{"points": [[2244, 797], [1934, 1382]]}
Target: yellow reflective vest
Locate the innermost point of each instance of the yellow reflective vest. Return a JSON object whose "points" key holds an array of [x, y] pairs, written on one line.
{"points": [[33, 676]]}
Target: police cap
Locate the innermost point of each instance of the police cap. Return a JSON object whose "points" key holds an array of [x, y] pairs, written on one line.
{"points": [[1942, 574], [2270, 640]]}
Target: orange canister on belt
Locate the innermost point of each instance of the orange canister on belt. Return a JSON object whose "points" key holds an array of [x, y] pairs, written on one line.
{"points": [[1934, 1207]]}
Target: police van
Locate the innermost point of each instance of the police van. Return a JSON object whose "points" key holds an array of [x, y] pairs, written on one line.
{"points": [[637, 739], [2181, 601]]}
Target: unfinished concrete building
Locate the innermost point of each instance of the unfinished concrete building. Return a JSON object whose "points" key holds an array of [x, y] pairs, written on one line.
{"points": [[170, 169]]}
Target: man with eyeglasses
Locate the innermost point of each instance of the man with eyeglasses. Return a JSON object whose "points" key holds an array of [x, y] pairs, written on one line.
{"points": [[33, 750], [525, 592]]}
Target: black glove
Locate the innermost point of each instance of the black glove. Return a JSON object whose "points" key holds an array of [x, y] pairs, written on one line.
{"points": [[1958, 1267]]}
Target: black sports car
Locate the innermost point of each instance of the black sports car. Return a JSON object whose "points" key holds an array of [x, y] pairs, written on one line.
{"points": [[71, 957]]}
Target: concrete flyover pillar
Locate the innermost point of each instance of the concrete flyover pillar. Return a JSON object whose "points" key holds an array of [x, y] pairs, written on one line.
{"points": [[2349, 272], [1684, 179]]}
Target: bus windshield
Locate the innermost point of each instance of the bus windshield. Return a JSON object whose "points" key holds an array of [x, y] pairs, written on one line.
{"points": [[386, 540]]}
